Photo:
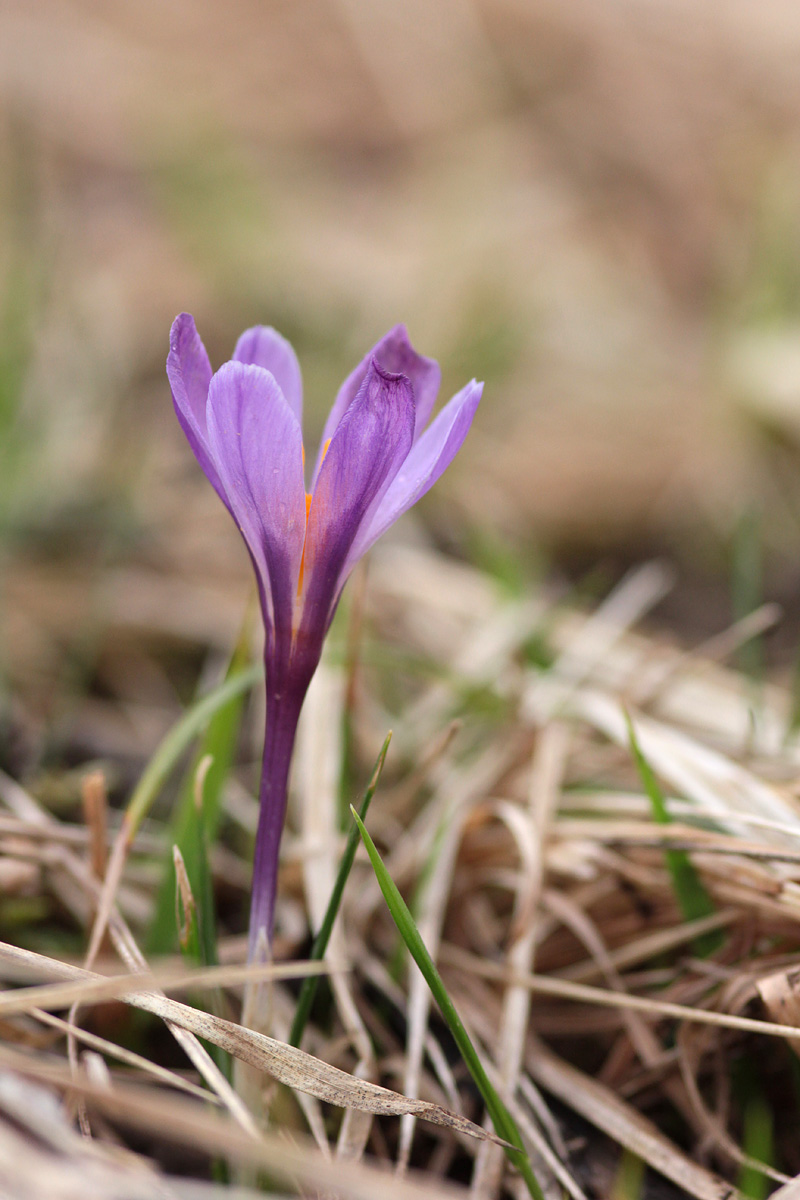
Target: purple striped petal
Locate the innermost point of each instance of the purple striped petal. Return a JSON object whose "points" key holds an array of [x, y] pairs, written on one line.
{"points": [[428, 459], [189, 373], [396, 355], [263, 347], [368, 448], [256, 442]]}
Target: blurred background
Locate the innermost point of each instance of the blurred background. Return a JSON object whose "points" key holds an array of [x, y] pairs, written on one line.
{"points": [[593, 206]]}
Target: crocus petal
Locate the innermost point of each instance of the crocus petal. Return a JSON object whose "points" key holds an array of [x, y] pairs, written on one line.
{"points": [[368, 448], [262, 346], [189, 373], [395, 354], [428, 459], [256, 442]]}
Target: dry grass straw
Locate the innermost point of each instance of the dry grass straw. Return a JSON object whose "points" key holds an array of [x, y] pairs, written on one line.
{"points": [[538, 880], [748, 859]]}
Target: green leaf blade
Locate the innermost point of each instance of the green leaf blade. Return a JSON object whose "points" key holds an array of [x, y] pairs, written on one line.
{"points": [[310, 984], [691, 894], [504, 1124]]}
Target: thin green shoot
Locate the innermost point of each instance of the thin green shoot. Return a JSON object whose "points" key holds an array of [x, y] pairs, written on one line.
{"points": [[690, 892], [629, 1180], [200, 869], [758, 1134], [757, 1143], [794, 714], [194, 918], [308, 990], [499, 559], [178, 740], [22, 293], [397, 960], [218, 745], [747, 588], [186, 919], [504, 1124]]}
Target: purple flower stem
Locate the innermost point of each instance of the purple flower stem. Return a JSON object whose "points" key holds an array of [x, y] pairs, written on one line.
{"points": [[283, 712]]}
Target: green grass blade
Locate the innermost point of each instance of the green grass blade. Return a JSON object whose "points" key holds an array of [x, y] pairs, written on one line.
{"points": [[690, 893], [186, 915], [198, 869], [195, 926], [218, 744], [758, 1131], [504, 1124], [25, 281], [758, 1144], [310, 984], [747, 587], [629, 1181], [178, 740], [794, 714]]}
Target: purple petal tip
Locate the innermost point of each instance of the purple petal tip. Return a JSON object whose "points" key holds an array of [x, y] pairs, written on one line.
{"points": [[181, 326], [389, 376]]}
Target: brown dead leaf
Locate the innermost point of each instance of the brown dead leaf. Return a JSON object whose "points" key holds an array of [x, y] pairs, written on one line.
{"points": [[289, 1065], [781, 996]]}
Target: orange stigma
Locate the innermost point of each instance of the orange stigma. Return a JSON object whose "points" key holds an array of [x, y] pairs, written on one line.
{"points": [[309, 498], [303, 558]]}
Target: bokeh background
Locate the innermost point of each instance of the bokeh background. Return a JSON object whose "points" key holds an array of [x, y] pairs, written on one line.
{"points": [[593, 206]]}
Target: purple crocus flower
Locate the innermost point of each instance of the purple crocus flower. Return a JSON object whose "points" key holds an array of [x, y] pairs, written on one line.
{"points": [[377, 458]]}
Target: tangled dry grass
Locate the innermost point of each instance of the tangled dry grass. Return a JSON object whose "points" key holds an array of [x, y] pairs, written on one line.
{"points": [[512, 813]]}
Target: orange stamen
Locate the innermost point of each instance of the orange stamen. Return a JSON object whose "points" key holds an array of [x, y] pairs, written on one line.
{"points": [[309, 498], [303, 558]]}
